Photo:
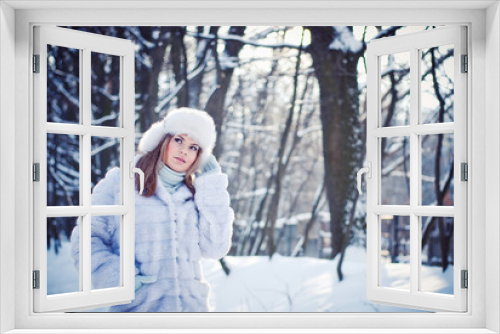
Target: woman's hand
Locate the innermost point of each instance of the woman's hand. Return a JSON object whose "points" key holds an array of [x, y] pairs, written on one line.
{"points": [[140, 280], [211, 166]]}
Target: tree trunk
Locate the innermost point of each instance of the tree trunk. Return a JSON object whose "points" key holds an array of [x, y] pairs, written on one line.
{"points": [[196, 83], [282, 162], [336, 70], [314, 216], [261, 109], [148, 79], [215, 104], [178, 59], [348, 236]]}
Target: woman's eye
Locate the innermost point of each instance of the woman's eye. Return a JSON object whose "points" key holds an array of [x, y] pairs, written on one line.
{"points": [[178, 140], [194, 148]]}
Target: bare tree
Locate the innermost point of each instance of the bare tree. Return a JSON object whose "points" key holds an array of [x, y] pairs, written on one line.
{"points": [[335, 65], [178, 59], [217, 98], [282, 163], [155, 41], [203, 47]]}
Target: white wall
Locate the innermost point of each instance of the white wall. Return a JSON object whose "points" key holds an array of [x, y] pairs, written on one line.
{"points": [[492, 164], [7, 185]]}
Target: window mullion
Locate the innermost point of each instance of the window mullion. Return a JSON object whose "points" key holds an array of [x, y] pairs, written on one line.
{"points": [[434, 211], [373, 183], [399, 210], [79, 211], [395, 131], [127, 121], [86, 168], [83, 260], [434, 129], [414, 168], [85, 264]]}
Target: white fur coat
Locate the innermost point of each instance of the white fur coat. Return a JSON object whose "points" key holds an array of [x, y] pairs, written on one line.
{"points": [[172, 233]]}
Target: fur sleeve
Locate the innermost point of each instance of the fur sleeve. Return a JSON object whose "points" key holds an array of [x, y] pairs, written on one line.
{"points": [[215, 215], [105, 258]]}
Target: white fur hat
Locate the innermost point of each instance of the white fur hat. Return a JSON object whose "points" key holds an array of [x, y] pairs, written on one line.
{"points": [[197, 124]]}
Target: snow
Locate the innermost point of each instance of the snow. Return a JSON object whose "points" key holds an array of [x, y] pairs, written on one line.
{"points": [[282, 284], [345, 41], [227, 62], [109, 143], [62, 276], [314, 128], [237, 38], [300, 284], [250, 194], [251, 127]]}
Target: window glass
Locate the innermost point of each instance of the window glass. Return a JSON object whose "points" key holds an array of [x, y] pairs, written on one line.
{"points": [[395, 89], [61, 278], [106, 250], [105, 81], [63, 170], [395, 171], [437, 249], [436, 97], [63, 84], [438, 169], [105, 155], [395, 252]]}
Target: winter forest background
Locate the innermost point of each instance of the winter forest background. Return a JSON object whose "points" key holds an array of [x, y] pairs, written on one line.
{"points": [[290, 110]]}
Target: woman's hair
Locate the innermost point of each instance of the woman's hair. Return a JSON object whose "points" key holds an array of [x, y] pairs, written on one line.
{"points": [[150, 163]]}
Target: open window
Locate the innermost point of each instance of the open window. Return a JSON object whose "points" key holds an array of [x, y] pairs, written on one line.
{"points": [[82, 140], [427, 130], [17, 17]]}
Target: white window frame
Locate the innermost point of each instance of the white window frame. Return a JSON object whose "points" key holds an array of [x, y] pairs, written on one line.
{"points": [[484, 103], [86, 43], [413, 44]]}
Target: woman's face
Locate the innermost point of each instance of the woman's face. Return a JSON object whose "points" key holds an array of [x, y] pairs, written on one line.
{"points": [[181, 153]]}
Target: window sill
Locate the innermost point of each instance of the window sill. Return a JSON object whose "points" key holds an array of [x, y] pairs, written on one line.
{"points": [[254, 331]]}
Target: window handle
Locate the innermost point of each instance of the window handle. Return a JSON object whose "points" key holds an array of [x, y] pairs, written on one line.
{"points": [[139, 171], [362, 171]]}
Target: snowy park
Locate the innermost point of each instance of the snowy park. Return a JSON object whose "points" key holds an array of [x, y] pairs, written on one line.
{"points": [[283, 284], [290, 112]]}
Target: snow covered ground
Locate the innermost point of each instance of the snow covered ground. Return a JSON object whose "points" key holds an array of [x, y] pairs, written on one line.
{"points": [[283, 284]]}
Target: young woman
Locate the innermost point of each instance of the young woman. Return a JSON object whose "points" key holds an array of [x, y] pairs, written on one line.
{"points": [[182, 216]]}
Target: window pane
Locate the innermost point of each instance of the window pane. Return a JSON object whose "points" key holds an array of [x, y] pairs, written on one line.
{"points": [[437, 178], [105, 156], [395, 252], [395, 89], [62, 273], [105, 248], [105, 89], [63, 170], [436, 271], [395, 178], [63, 84], [436, 99]]}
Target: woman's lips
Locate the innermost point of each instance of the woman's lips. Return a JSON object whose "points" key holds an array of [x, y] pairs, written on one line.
{"points": [[180, 160]]}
